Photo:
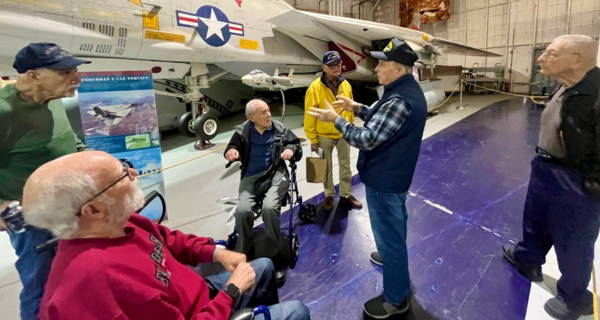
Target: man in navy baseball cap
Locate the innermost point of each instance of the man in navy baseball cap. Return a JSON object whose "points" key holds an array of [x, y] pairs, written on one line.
{"points": [[331, 56], [45, 55], [389, 142], [46, 72], [35, 129], [398, 51]]}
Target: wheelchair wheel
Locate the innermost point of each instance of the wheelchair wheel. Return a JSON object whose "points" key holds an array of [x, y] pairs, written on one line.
{"points": [[295, 249], [308, 213]]}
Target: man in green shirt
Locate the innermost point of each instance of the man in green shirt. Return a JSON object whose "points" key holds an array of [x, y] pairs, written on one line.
{"points": [[34, 129]]}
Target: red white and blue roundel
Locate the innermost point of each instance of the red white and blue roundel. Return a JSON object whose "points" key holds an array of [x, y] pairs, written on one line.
{"points": [[213, 25]]}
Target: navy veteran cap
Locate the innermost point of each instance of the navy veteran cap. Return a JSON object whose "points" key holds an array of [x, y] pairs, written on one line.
{"points": [[331, 56], [399, 51], [45, 55]]}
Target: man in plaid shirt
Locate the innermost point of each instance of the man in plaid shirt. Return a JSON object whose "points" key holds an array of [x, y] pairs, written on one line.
{"points": [[389, 144]]}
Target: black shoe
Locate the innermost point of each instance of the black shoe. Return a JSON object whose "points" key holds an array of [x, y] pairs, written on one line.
{"points": [[378, 308], [376, 258], [351, 202], [280, 271], [557, 308], [534, 274]]}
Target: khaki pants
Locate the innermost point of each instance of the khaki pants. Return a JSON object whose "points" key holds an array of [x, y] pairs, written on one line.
{"points": [[343, 149]]}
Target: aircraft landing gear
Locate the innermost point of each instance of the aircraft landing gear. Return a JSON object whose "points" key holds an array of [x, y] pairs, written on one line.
{"points": [[206, 128], [200, 122], [186, 124]]}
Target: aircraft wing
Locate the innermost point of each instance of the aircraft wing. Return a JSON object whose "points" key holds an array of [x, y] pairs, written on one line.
{"points": [[315, 25], [110, 122]]}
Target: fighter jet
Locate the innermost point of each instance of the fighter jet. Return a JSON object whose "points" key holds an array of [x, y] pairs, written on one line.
{"points": [[112, 115], [259, 79], [203, 42]]}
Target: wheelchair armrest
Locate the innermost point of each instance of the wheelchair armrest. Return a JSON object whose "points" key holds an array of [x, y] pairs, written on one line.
{"points": [[243, 314]]}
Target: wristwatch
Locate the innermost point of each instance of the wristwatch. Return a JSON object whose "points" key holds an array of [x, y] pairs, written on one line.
{"points": [[232, 291]]}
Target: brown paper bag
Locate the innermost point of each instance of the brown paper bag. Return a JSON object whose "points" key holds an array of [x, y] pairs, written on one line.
{"points": [[316, 169]]}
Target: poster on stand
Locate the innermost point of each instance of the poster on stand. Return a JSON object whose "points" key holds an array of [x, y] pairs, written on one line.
{"points": [[118, 116]]}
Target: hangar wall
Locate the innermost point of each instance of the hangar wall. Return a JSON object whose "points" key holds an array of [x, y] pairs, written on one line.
{"points": [[517, 29]]}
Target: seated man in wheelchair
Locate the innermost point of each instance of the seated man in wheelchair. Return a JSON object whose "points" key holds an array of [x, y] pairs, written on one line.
{"points": [[262, 145], [113, 263]]}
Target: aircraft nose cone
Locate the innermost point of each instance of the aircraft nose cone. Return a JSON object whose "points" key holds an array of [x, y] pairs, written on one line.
{"points": [[247, 79]]}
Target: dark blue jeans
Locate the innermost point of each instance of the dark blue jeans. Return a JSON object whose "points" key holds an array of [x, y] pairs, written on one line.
{"points": [[388, 221], [559, 213], [264, 292], [33, 268]]}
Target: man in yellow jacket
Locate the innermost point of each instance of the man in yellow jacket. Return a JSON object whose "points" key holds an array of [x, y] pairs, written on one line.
{"points": [[324, 135]]}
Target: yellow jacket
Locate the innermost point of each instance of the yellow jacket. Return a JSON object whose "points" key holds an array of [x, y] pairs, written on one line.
{"points": [[316, 95]]}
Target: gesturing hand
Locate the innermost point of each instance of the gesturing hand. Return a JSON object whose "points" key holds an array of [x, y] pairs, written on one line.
{"points": [[325, 115], [344, 103], [229, 259]]}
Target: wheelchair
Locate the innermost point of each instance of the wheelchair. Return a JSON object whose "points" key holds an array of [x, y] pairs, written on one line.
{"points": [[12, 216], [306, 213]]}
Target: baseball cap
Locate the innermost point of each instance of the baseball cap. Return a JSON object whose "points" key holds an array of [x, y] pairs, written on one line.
{"points": [[45, 55], [399, 51], [331, 56]]}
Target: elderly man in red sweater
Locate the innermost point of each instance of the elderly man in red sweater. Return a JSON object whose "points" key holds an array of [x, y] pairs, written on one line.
{"points": [[112, 264]]}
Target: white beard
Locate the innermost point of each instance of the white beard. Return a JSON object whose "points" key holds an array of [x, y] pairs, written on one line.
{"points": [[131, 203]]}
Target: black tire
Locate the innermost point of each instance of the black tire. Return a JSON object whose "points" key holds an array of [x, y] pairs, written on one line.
{"points": [[206, 126], [186, 124], [308, 213], [295, 250]]}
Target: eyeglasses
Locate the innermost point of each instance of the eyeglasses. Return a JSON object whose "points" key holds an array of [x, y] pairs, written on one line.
{"points": [[126, 166], [554, 55], [334, 65]]}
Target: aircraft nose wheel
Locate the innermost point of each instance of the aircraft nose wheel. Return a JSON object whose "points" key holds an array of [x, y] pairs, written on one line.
{"points": [[295, 250], [308, 213], [206, 126]]}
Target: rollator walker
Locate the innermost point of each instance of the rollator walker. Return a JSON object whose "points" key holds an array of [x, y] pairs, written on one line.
{"points": [[306, 213]]}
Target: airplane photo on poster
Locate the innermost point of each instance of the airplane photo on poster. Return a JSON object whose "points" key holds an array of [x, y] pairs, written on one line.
{"points": [[202, 42], [118, 113], [112, 115]]}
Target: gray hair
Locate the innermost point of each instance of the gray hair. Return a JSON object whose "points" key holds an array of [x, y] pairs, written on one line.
{"points": [[407, 69], [59, 200], [250, 108]]}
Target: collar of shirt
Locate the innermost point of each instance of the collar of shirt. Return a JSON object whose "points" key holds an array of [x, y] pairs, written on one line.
{"points": [[588, 85], [252, 127], [330, 84]]}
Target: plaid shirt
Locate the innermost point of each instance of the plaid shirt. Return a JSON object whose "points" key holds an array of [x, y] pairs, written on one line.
{"points": [[379, 128]]}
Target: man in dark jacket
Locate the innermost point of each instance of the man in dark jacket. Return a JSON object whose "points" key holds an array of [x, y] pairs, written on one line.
{"points": [[389, 144], [562, 208], [262, 145]]}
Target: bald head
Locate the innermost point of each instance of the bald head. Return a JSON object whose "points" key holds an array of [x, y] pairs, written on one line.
{"points": [[259, 113], [568, 58], [62, 195], [582, 45]]}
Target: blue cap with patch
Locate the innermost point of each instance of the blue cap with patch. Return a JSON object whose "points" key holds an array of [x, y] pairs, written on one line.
{"points": [[45, 55], [399, 51], [331, 56]]}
